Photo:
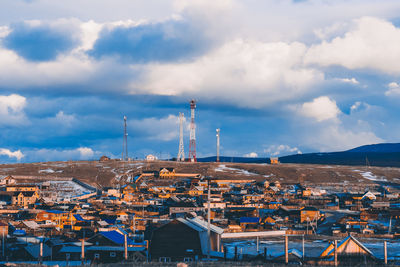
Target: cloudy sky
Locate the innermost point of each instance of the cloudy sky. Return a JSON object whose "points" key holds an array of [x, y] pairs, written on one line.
{"points": [[277, 76]]}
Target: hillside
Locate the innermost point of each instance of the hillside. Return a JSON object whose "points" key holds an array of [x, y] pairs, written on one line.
{"points": [[110, 173]]}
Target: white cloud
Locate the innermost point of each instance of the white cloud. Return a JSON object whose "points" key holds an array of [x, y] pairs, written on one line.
{"points": [[335, 137], [251, 155], [371, 43], [393, 89], [86, 152], [348, 80], [12, 109], [247, 73], [12, 154], [44, 154], [321, 108], [65, 119], [276, 150], [164, 129]]}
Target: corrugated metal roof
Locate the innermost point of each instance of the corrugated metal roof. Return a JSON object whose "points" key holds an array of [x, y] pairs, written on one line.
{"points": [[249, 219], [116, 237]]}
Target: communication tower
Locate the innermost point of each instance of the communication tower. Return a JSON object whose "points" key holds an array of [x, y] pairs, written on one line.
{"points": [[181, 153], [218, 130], [192, 142]]}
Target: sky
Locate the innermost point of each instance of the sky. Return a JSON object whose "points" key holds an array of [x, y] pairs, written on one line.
{"points": [[278, 77]]}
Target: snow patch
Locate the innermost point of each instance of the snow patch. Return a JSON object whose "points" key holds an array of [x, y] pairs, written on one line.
{"points": [[372, 177], [223, 168]]}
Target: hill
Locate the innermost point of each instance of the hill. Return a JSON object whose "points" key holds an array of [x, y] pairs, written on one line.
{"points": [[382, 155], [377, 148]]}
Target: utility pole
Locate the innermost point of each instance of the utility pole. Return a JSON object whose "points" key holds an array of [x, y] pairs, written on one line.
{"points": [[208, 218], [181, 153], [335, 251], [286, 249], [218, 131], [125, 141], [192, 141]]}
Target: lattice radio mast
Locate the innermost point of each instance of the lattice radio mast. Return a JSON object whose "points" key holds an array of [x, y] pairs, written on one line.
{"points": [[181, 153], [218, 130], [192, 142]]}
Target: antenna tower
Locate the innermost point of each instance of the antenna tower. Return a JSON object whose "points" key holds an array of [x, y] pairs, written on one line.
{"points": [[218, 130], [192, 142], [181, 153], [125, 142]]}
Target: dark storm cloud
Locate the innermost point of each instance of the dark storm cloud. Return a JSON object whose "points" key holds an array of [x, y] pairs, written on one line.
{"points": [[38, 43], [159, 42]]}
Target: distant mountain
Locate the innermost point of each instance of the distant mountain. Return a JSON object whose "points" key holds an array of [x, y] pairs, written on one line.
{"points": [[378, 148], [346, 158], [383, 155], [234, 159]]}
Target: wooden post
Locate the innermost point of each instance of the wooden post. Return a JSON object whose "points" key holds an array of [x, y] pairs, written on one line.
{"points": [[41, 252], [218, 243], [83, 251], [303, 248], [225, 253], [385, 251], [236, 253], [335, 252], [126, 247], [286, 249], [258, 244]]}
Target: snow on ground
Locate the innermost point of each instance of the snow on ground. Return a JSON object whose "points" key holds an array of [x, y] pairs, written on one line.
{"points": [[67, 189], [50, 171], [372, 177], [223, 168], [47, 171]]}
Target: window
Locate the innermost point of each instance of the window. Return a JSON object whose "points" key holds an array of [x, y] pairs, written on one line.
{"points": [[164, 259], [187, 259], [113, 254], [97, 256]]}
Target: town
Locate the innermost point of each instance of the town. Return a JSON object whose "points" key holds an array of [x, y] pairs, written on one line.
{"points": [[164, 215]]}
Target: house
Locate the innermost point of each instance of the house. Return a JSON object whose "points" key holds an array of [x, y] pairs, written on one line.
{"points": [[249, 222], [22, 188], [104, 159], [151, 158], [105, 247], [309, 214], [274, 161], [3, 229], [9, 180], [190, 244], [24, 198], [348, 250], [167, 173]]}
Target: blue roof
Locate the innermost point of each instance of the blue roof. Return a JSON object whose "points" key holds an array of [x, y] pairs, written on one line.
{"points": [[78, 217], [110, 221], [136, 177], [55, 211], [19, 232], [116, 237], [249, 219]]}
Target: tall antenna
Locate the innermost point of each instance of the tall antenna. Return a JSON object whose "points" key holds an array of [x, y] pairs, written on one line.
{"points": [[192, 142], [181, 153], [218, 130], [125, 142]]}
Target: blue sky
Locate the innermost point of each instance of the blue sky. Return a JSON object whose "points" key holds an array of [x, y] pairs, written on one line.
{"points": [[277, 77]]}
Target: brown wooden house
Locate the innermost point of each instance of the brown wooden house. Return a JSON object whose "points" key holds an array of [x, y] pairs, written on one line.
{"points": [[184, 240]]}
